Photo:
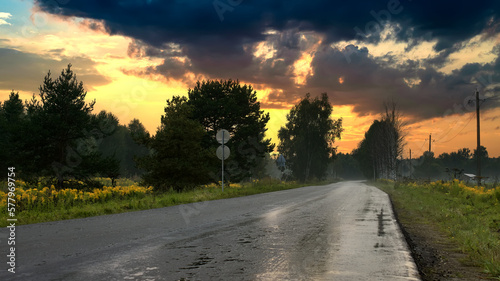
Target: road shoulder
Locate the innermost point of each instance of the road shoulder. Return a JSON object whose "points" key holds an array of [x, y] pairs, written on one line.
{"points": [[437, 257]]}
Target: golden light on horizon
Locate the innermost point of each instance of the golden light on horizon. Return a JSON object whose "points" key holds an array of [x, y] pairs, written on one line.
{"points": [[354, 127], [131, 97], [449, 134]]}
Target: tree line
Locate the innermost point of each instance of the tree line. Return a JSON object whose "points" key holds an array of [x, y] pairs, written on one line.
{"points": [[183, 148], [445, 166], [456, 165], [380, 155], [55, 136]]}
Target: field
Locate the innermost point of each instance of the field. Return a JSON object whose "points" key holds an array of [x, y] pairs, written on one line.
{"points": [[468, 217], [46, 203]]}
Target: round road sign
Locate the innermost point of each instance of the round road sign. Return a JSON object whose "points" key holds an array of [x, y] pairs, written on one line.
{"points": [[222, 134], [226, 152]]}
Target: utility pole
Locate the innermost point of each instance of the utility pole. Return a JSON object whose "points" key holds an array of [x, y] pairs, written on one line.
{"points": [[402, 166], [478, 141], [430, 138], [411, 166]]}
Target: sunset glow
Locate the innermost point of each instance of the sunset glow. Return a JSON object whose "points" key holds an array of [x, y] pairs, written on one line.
{"points": [[131, 72]]}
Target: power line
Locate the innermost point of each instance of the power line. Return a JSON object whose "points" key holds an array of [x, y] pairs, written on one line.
{"points": [[461, 130], [470, 119], [420, 149], [442, 137], [451, 128], [492, 98]]}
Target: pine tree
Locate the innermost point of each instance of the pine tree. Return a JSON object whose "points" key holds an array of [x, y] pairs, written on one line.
{"points": [[61, 141], [12, 131]]}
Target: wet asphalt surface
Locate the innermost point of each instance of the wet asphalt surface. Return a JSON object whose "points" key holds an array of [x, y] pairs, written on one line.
{"points": [[343, 231]]}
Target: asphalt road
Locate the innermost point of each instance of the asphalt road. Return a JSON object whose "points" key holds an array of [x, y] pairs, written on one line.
{"points": [[343, 231]]}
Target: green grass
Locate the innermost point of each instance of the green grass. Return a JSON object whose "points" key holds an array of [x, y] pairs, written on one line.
{"points": [[148, 201], [470, 220]]}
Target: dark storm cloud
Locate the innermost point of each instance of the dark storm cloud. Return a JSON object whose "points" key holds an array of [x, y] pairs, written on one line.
{"points": [[275, 72], [138, 49], [434, 94], [25, 71], [212, 23], [449, 21], [216, 38]]}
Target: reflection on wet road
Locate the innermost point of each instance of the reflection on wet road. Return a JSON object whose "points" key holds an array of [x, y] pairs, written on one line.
{"points": [[344, 231]]}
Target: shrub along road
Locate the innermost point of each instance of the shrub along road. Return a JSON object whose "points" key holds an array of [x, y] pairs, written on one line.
{"points": [[342, 231]]}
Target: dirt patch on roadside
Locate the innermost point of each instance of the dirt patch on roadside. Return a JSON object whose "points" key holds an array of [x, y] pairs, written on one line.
{"points": [[436, 255]]}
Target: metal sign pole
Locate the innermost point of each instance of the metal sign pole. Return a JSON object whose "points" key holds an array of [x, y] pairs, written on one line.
{"points": [[221, 150], [223, 162]]}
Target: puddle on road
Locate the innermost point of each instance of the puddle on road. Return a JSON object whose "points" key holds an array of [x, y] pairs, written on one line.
{"points": [[272, 218], [380, 218], [296, 244]]}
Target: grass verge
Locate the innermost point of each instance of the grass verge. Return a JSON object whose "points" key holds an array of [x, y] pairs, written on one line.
{"points": [[468, 217], [55, 212]]}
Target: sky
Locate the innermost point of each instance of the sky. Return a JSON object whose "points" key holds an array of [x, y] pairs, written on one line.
{"points": [[429, 57]]}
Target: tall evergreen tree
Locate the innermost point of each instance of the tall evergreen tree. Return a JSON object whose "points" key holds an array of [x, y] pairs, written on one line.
{"points": [[60, 126], [307, 140], [12, 127], [177, 158]]}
